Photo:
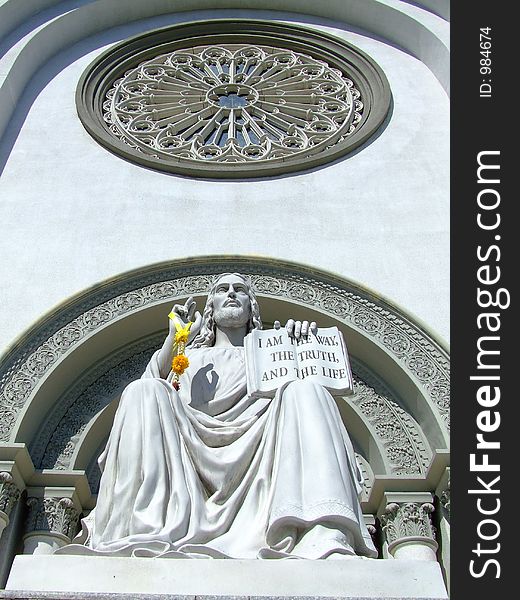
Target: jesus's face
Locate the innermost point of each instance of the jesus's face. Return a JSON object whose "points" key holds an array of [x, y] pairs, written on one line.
{"points": [[231, 302]]}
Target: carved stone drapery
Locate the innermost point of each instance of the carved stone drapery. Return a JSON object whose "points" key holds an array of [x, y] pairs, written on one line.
{"points": [[414, 350], [405, 451], [58, 439]]}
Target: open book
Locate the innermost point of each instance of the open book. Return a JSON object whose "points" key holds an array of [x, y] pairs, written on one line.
{"points": [[273, 358]]}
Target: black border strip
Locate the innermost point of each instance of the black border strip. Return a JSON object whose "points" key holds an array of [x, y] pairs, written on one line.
{"points": [[483, 117]]}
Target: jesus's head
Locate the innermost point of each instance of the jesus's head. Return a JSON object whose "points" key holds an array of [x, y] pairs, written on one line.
{"points": [[231, 303]]}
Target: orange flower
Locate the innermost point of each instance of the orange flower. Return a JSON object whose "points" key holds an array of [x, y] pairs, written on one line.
{"points": [[179, 364]]}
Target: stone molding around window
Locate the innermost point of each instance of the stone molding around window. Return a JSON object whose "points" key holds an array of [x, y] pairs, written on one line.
{"points": [[233, 98]]}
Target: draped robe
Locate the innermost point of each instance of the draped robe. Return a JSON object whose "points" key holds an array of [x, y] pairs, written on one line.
{"points": [[211, 472]]}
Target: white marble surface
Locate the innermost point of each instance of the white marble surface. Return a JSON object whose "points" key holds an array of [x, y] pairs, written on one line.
{"points": [[346, 578], [198, 467], [80, 214]]}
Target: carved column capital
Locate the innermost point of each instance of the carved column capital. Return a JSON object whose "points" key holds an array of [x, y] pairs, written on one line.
{"points": [[406, 523], [53, 515], [407, 520], [9, 492]]}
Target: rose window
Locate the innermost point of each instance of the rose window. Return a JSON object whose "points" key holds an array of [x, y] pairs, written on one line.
{"points": [[235, 108], [234, 104]]}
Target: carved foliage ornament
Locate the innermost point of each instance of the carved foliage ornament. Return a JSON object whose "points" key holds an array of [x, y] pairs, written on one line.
{"points": [[24, 371], [252, 102], [410, 519], [400, 436], [9, 492], [55, 515]]}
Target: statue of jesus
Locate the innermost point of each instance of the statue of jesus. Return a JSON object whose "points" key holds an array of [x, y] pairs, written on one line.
{"points": [[208, 471]]}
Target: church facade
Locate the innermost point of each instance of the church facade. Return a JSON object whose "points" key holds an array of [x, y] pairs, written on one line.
{"points": [[144, 151]]}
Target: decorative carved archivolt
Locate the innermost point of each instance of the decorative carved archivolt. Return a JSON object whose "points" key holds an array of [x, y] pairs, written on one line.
{"points": [[54, 446], [405, 449], [417, 353]]}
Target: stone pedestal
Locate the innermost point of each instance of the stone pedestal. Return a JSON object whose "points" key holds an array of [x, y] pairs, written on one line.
{"points": [[351, 578], [414, 548], [43, 542], [51, 523]]}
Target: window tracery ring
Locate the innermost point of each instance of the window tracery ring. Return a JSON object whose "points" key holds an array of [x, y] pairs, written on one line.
{"points": [[231, 107]]}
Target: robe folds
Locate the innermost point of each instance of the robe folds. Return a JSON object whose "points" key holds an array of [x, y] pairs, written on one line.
{"points": [[209, 472]]}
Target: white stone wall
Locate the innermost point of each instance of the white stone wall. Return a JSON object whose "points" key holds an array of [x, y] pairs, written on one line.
{"points": [[72, 214]]}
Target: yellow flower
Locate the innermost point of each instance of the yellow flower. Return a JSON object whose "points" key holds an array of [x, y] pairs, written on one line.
{"points": [[179, 364], [182, 333], [181, 336]]}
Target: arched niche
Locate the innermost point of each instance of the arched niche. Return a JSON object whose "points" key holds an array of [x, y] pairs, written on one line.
{"points": [[62, 382]]}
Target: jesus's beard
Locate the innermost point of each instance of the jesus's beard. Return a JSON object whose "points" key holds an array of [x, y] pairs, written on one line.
{"points": [[231, 317]]}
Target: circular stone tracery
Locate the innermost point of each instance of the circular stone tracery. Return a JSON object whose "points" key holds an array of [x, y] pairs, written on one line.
{"points": [[233, 104], [259, 99], [230, 96]]}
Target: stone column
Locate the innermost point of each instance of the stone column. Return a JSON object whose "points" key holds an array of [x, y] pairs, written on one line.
{"points": [[51, 524], [9, 494], [407, 526], [444, 498], [443, 533]]}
